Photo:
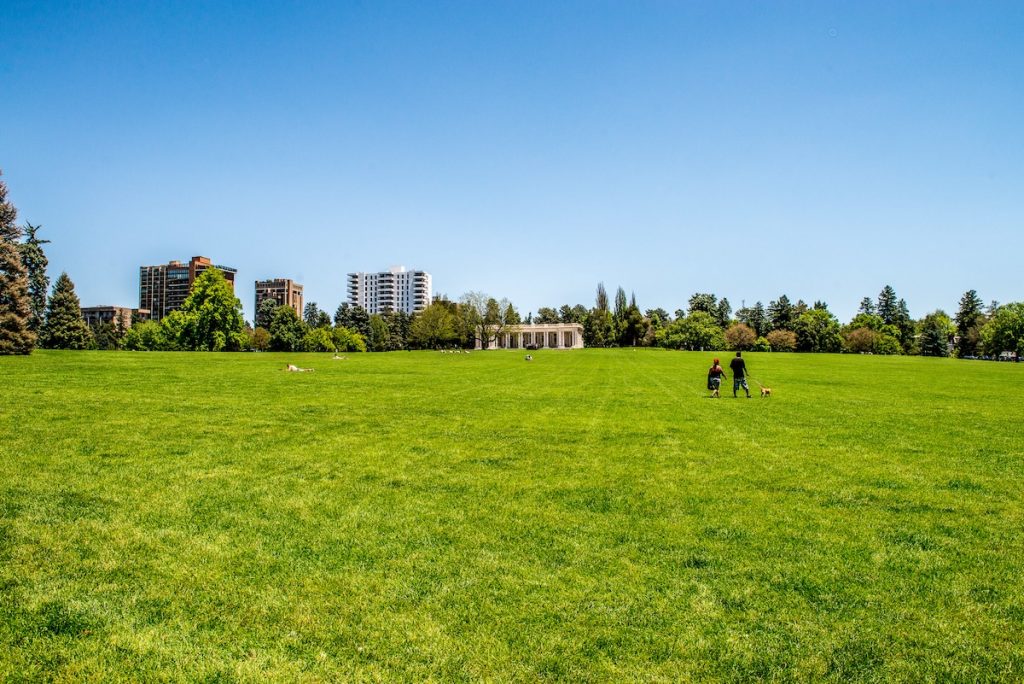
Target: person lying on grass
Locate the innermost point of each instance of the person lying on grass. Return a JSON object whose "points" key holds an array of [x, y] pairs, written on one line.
{"points": [[295, 369]]}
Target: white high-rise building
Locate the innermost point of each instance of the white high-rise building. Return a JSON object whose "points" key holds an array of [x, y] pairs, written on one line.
{"points": [[393, 290]]}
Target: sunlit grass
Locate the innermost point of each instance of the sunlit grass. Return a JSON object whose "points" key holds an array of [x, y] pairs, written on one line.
{"points": [[590, 515]]}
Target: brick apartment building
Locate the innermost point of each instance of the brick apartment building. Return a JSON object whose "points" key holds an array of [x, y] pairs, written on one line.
{"points": [[95, 315], [283, 291], [164, 288]]}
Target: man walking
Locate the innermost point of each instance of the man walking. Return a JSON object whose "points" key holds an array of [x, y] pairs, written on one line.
{"points": [[739, 374]]}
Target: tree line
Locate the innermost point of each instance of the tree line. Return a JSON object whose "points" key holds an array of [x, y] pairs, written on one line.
{"points": [[881, 326], [211, 320]]}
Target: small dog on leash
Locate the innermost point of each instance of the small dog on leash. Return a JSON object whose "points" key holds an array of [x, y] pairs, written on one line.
{"points": [[766, 392]]}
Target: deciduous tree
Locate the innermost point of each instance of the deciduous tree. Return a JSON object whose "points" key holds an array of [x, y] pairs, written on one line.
{"points": [[698, 331], [782, 340], [1005, 330], [740, 337], [346, 340], [211, 316], [817, 330], [318, 340], [379, 333], [286, 330], [434, 327]]}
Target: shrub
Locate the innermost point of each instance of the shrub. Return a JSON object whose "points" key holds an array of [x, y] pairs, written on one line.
{"points": [[318, 340], [782, 340], [144, 336], [860, 340], [761, 344], [348, 341], [740, 337]]}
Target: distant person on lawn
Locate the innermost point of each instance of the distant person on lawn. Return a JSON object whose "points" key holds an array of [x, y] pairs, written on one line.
{"points": [[715, 377], [739, 374]]}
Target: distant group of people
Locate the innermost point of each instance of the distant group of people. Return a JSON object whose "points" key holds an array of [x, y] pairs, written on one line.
{"points": [[739, 376]]}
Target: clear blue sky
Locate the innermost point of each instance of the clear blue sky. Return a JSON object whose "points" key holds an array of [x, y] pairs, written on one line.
{"points": [[527, 150]]}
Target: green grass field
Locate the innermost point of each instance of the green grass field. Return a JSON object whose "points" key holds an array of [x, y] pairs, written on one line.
{"points": [[589, 516]]}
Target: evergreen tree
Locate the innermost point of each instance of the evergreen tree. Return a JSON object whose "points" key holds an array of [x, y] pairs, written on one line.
{"points": [[759, 319], [265, 313], [634, 326], [546, 314], [936, 329], [780, 314], [723, 313], [64, 327], [969, 321], [355, 318], [906, 326], [16, 336], [867, 306], [34, 259], [399, 327], [888, 307], [107, 335], [311, 314], [703, 301]]}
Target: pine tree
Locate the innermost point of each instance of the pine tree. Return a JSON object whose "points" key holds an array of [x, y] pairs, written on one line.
{"points": [[867, 306], [905, 323], [311, 314], [16, 337], [758, 319], [34, 259], [703, 301], [969, 319], [64, 327], [888, 308], [780, 314], [723, 313]]}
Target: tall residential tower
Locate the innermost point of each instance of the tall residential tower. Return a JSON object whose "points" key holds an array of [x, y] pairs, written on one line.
{"points": [[393, 290]]}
